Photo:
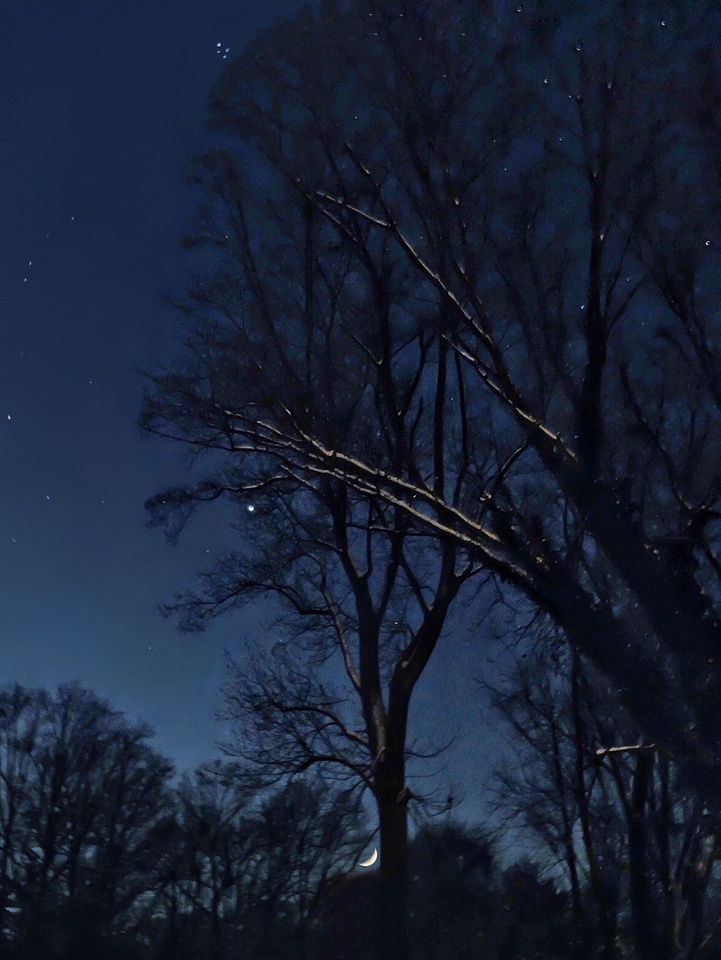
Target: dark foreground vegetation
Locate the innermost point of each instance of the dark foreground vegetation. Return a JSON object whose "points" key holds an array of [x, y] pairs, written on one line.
{"points": [[104, 854]]}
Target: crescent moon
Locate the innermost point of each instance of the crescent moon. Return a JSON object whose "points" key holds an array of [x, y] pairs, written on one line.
{"points": [[370, 861]]}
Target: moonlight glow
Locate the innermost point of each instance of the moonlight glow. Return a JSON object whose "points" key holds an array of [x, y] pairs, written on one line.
{"points": [[370, 861]]}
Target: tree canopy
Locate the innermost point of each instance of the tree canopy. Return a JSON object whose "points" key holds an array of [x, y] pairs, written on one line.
{"points": [[464, 263]]}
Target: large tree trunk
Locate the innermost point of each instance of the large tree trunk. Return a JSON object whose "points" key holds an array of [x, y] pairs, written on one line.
{"points": [[602, 888], [367, 913], [641, 906], [668, 930], [393, 874]]}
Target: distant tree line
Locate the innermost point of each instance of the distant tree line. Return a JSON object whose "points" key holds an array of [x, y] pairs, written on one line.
{"points": [[104, 854]]}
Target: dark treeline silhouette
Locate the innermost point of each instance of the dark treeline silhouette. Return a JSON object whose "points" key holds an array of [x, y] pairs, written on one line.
{"points": [[636, 848], [105, 855]]}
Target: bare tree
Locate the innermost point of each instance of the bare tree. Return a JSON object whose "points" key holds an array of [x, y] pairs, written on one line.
{"points": [[80, 794], [608, 809], [353, 587], [239, 876], [527, 374], [303, 835], [358, 587], [21, 723]]}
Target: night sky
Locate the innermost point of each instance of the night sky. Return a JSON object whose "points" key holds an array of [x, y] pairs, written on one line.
{"points": [[101, 103]]}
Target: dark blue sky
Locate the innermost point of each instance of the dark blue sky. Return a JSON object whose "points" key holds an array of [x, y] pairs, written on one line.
{"points": [[101, 103]]}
